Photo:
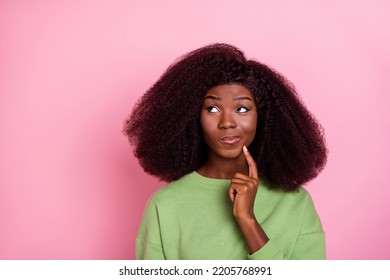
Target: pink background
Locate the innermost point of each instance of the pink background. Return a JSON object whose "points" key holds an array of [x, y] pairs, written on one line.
{"points": [[70, 72]]}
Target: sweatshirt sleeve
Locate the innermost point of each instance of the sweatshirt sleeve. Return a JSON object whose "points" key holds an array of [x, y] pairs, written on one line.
{"points": [[148, 241], [309, 244], [269, 251]]}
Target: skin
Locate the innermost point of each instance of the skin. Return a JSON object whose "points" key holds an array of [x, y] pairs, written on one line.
{"points": [[228, 118]]}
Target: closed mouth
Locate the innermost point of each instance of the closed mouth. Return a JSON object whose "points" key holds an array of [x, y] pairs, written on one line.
{"points": [[230, 139]]}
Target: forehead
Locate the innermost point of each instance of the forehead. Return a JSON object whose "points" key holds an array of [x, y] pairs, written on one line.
{"points": [[231, 90]]}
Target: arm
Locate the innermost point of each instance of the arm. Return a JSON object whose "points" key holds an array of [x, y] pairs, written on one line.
{"points": [[310, 244], [148, 241], [242, 192]]}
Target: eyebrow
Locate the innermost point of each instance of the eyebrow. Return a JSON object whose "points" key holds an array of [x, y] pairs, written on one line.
{"points": [[213, 97], [234, 99], [242, 98]]}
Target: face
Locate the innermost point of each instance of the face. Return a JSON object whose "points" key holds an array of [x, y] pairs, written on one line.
{"points": [[228, 118]]}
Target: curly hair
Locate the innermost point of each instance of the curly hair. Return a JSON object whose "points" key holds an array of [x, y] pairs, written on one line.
{"points": [[289, 147]]}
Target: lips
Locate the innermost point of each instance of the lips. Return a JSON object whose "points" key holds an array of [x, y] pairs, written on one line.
{"points": [[230, 139]]}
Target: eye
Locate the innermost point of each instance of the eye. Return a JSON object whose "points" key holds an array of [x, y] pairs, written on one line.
{"points": [[242, 109], [212, 109]]}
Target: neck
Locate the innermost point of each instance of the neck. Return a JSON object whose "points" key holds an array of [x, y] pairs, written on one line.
{"points": [[223, 168]]}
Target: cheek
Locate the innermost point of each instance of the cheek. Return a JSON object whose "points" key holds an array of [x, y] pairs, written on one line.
{"points": [[208, 125], [249, 125]]}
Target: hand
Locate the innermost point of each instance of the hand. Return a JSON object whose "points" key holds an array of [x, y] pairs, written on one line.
{"points": [[243, 190]]}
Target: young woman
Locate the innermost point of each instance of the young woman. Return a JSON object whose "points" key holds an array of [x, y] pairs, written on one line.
{"points": [[235, 143]]}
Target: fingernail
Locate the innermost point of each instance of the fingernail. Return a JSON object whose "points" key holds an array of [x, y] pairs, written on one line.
{"points": [[245, 148]]}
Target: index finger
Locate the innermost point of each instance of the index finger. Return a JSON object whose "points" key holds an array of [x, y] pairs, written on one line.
{"points": [[251, 163]]}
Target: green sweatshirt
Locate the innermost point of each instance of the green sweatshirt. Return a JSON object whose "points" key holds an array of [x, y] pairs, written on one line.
{"points": [[192, 218]]}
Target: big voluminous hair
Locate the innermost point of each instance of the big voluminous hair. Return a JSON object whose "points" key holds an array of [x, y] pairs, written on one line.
{"points": [[164, 128]]}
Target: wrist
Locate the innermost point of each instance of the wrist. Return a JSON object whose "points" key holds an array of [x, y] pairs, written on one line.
{"points": [[248, 219]]}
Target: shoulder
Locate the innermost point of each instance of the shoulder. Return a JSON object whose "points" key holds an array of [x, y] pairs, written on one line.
{"points": [[296, 208], [301, 195], [172, 190], [291, 203]]}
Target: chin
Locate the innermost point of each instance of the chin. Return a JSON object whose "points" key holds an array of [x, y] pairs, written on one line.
{"points": [[230, 154]]}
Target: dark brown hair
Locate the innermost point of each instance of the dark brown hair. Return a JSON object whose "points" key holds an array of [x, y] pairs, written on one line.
{"points": [[289, 146]]}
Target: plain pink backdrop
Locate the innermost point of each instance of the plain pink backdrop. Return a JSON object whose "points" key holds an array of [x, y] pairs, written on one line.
{"points": [[70, 72]]}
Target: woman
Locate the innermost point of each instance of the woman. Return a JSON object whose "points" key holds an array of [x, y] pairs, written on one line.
{"points": [[236, 144]]}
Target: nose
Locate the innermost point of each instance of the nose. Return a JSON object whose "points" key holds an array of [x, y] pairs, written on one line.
{"points": [[227, 121]]}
